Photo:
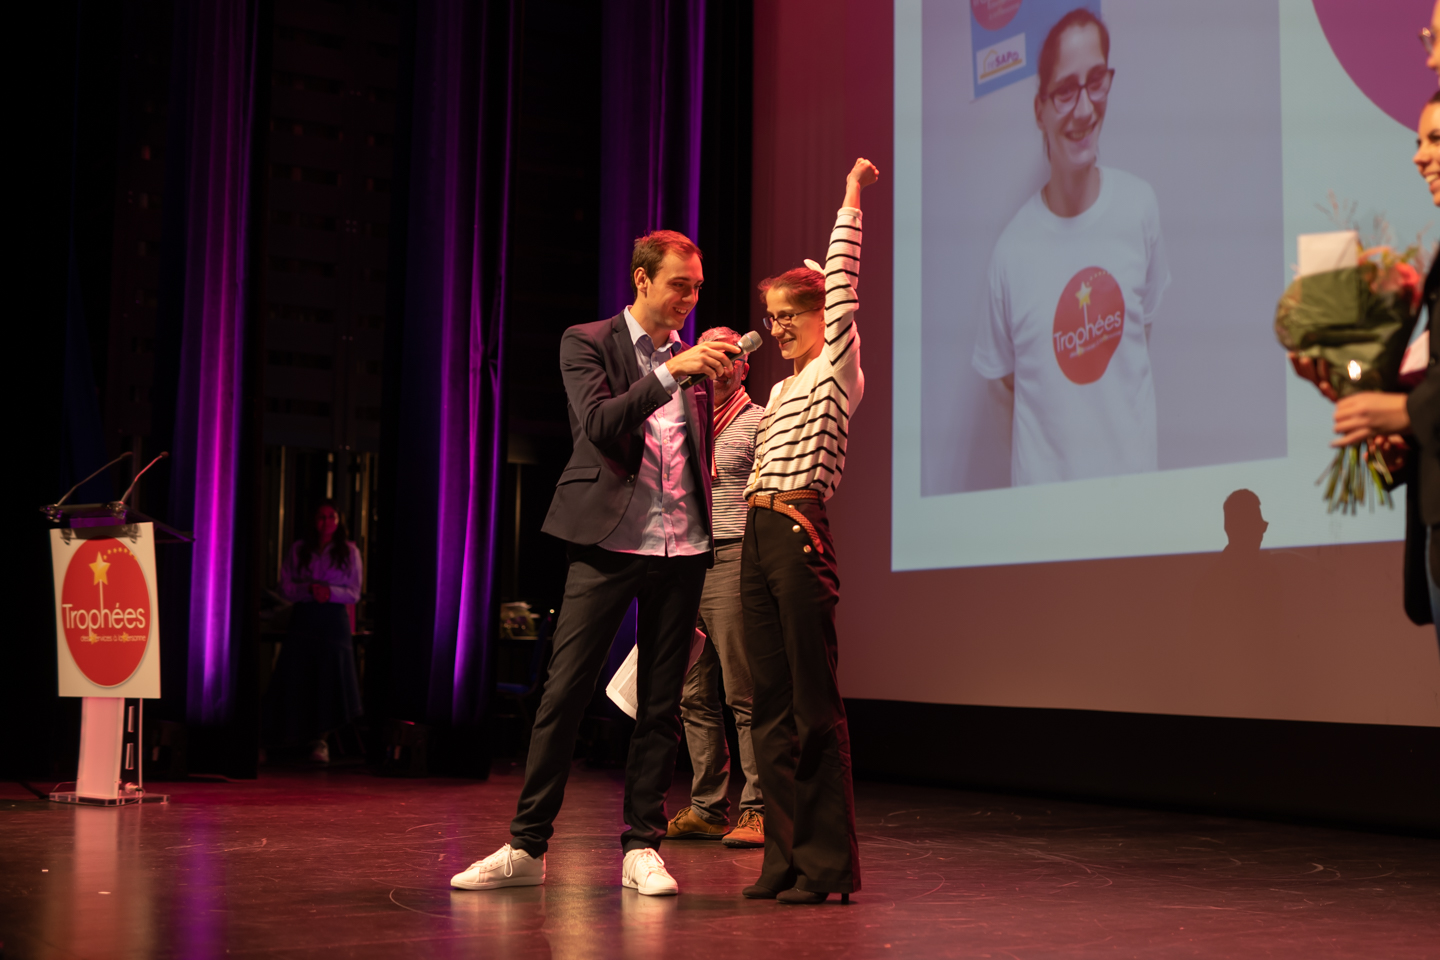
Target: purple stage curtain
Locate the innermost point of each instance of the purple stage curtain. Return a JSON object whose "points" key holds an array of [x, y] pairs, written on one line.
{"points": [[450, 453], [217, 39], [652, 97]]}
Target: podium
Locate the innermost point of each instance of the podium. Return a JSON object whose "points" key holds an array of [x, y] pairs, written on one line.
{"points": [[107, 625]]}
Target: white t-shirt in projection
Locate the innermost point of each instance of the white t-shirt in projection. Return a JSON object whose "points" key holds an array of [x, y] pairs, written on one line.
{"points": [[1070, 299]]}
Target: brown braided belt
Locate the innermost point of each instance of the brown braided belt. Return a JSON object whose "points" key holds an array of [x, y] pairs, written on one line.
{"points": [[779, 502]]}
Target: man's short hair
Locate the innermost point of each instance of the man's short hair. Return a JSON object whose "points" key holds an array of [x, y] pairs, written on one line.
{"points": [[727, 335], [650, 252], [720, 333]]}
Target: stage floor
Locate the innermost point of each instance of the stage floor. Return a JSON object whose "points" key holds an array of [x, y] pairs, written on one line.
{"points": [[341, 863]]}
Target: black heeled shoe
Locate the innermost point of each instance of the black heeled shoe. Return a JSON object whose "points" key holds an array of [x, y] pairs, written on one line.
{"points": [[757, 892], [796, 895]]}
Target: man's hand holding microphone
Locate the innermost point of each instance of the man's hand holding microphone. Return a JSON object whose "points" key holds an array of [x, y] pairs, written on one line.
{"points": [[708, 361]]}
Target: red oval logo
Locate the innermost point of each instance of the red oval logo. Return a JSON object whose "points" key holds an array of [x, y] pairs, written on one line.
{"points": [[105, 610], [1089, 322], [994, 14]]}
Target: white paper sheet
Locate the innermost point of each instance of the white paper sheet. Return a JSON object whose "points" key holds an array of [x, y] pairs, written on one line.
{"points": [[621, 687], [1319, 252]]}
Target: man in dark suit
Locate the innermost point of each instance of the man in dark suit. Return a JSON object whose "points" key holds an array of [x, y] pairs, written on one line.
{"points": [[634, 504]]}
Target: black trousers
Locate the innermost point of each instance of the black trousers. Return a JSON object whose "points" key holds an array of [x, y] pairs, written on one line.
{"points": [[598, 591], [802, 742]]}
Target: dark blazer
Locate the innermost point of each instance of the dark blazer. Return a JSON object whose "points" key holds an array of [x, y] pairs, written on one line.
{"points": [[1423, 503], [609, 403]]}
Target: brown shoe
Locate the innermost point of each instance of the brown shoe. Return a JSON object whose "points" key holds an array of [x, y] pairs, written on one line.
{"points": [[749, 832], [689, 825]]}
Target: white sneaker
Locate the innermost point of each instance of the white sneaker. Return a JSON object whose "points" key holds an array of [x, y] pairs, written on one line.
{"points": [[506, 867], [644, 872]]}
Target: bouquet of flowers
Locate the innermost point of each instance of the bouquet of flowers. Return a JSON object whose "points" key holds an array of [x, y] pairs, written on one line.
{"points": [[1353, 308]]}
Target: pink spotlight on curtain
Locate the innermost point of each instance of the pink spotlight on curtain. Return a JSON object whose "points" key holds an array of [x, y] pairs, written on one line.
{"points": [[219, 86], [450, 452]]}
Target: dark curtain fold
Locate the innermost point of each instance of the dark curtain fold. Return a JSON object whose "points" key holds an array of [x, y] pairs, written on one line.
{"points": [[652, 96], [91, 202], [450, 449], [82, 424], [730, 297], [56, 435], [204, 386]]}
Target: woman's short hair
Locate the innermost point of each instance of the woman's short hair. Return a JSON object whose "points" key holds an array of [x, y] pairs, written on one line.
{"points": [[805, 287], [650, 251], [1050, 49]]}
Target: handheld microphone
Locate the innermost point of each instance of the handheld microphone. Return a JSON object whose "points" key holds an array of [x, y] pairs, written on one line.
{"points": [[748, 344]]}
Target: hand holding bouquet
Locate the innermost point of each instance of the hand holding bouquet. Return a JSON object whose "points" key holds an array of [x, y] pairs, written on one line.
{"points": [[1347, 317]]}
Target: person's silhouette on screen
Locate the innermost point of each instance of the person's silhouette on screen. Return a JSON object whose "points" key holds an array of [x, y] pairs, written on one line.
{"points": [[1238, 647], [1244, 525]]}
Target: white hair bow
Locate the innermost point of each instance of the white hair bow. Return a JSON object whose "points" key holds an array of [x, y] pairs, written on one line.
{"points": [[813, 265]]}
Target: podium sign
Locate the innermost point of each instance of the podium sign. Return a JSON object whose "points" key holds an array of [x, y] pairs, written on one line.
{"points": [[107, 618], [107, 639]]}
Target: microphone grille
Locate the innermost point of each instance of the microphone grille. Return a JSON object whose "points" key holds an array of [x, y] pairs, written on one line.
{"points": [[751, 342]]}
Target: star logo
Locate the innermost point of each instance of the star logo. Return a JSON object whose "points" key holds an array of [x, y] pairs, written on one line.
{"points": [[105, 611], [1089, 323], [101, 569]]}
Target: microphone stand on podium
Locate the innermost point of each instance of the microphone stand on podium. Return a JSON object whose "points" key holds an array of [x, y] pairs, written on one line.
{"points": [[107, 624]]}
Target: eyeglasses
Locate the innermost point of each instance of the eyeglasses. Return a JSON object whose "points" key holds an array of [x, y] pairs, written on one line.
{"points": [[1066, 94], [770, 320], [1427, 39]]}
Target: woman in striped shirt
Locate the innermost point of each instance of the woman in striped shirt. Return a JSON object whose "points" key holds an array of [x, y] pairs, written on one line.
{"points": [[789, 580]]}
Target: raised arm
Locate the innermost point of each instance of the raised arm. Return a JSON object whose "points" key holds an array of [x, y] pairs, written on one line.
{"points": [[842, 265], [860, 176]]}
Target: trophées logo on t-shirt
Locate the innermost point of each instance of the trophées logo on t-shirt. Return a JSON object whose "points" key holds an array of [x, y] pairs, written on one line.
{"points": [[1089, 321], [105, 609]]}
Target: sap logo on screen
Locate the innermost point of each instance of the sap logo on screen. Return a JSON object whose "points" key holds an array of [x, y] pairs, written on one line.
{"points": [[1003, 57], [1006, 37]]}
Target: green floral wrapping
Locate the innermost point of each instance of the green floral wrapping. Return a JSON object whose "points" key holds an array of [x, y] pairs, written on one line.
{"points": [[1335, 316]]}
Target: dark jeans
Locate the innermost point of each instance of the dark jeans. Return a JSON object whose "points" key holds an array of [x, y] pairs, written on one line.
{"points": [[802, 742], [598, 591], [724, 654], [1432, 577]]}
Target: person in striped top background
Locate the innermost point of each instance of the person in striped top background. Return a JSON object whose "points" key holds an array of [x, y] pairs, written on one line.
{"points": [[789, 579], [706, 817]]}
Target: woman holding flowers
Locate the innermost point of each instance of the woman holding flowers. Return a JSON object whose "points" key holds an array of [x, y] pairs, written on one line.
{"points": [[1406, 426], [1075, 280]]}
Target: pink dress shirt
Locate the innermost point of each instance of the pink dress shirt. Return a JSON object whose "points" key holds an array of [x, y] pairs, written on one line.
{"points": [[663, 519]]}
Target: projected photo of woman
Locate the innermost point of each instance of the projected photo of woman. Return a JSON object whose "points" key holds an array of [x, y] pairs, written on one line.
{"points": [[1075, 281]]}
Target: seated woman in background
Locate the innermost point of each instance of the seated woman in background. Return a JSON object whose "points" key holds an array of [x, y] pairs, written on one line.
{"points": [[315, 690]]}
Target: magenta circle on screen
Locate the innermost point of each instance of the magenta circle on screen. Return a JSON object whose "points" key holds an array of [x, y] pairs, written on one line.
{"points": [[994, 14], [1378, 44]]}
